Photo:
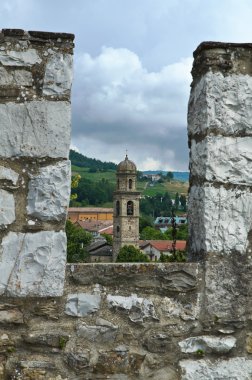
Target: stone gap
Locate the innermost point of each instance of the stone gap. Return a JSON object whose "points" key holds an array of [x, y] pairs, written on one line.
{"points": [[177, 321]]}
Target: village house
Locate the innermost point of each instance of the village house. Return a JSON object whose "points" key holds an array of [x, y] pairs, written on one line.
{"points": [[90, 213], [154, 248]]}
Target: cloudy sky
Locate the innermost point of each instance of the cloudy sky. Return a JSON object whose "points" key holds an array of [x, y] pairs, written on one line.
{"points": [[132, 68]]}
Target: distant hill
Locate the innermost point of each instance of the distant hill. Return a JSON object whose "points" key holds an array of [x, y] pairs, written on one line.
{"points": [[178, 176], [78, 159], [82, 161]]}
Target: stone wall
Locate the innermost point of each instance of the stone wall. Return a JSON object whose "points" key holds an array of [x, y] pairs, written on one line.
{"points": [[35, 113], [172, 321], [115, 321], [220, 196]]}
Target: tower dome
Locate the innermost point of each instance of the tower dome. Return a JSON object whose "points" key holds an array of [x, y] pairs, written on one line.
{"points": [[126, 166]]}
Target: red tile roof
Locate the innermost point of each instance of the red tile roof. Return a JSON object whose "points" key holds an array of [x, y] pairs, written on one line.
{"points": [[95, 225], [108, 230], [163, 245], [90, 209]]}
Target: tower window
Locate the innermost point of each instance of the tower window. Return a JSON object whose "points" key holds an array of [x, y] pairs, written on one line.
{"points": [[117, 208], [118, 184], [117, 230], [130, 183], [130, 208]]}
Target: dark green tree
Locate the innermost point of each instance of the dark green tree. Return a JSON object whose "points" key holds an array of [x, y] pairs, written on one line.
{"points": [[131, 254], [108, 238], [77, 241], [176, 202], [183, 202], [178, 256], [144, 221], [150, 233], [169, 176]]}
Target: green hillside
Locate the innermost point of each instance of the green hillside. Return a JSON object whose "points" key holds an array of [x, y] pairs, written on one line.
{"points": [[98, 181]]}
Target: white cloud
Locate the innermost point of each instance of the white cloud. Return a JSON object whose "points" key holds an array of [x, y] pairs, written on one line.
{"points": [[118, 101]]}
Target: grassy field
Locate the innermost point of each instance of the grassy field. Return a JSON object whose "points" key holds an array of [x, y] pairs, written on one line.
{"points": [[96, 177], [172, 187]]}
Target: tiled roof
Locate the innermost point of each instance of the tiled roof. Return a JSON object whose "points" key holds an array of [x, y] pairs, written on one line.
{"points": [[95, 225], [107, 230], [89, 209], [163, 245]]}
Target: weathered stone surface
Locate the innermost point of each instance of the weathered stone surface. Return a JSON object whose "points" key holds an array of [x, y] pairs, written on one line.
{"points": [[82, 304], [119, 361], [158, 342], [138, 308], [49, 192], [33, 263], [15, 78], [174, 309], [37, 364], [219, 219], [19, 58], [58, 74], [11, 315], [233, 369], [249, 343], [166, 373], [7, 208], [208, 344], [226, 288], [9, 175], [57, 339], [35, 129], [221, 104], [222, 159], [78, 360], [103, 331], [173, 278]]}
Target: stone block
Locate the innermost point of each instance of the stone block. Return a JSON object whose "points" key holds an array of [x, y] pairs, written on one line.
{"points": [[79, 360], [56, 339], [137, 308], [158, 342], [220, 219], [7, 208], [82, 304], [207, 344], [226, 289], [25, 58], [12, 316], [103, 331], [233, 369], [33, 264], [49, 192], [222, 159], [58, 74], [8, 174], [15, 78], [35, 129], [221, 105]]}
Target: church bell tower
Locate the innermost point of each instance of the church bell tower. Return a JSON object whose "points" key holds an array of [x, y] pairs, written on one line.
{"points": [[126, 207]]}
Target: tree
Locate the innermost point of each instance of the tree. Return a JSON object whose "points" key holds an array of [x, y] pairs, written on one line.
{"points": [[183, 202], [150, 233], [108, 238], [74, 184], [169, 176], [178, 256], [176, 202], [77, 241], [131, 254], [145, 221]]}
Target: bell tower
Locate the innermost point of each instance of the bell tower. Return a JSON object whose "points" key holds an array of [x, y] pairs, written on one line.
{"points": [[126, 207]]}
